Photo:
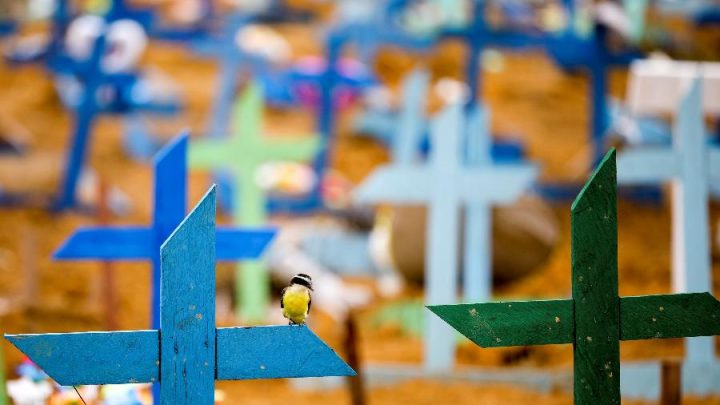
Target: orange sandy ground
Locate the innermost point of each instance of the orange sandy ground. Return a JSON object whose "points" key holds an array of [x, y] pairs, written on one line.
{"points": [[529, 98]]}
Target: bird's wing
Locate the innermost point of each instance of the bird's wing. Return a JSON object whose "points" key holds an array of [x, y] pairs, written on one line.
{"points": [[309, 302], [282, 298]]}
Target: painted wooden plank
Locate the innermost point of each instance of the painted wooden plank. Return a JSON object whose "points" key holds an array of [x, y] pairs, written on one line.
{"points": [[404, 184], [275, 354], [669, 316], [102, 243], [690, 216], [411, 120], [690, 165], [442, 235], [507, 182], [408, 184], [91, 358], [245, 243], [647, 165], [444, 184], [595, 288], [185, 353], [477, 252], [3, 384], [521, 323], [143, 243], [132, 357], [187, 321], [170, 187]]}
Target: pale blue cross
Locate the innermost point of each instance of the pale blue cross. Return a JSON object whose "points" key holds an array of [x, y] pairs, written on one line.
{"points": [[690, 164], [445, 185], [190, 353], [143, 242]]}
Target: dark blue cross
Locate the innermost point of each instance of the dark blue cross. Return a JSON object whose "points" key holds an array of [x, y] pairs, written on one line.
{"points": [[143, 242], [190, 353], [571, 51], [91, 105]]}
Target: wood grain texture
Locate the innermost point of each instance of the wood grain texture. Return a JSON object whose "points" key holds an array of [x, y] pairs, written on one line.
{"points": [[93, 357], [595, 288], [275, 352], [501, 324], [187, 307], [669, 316]]}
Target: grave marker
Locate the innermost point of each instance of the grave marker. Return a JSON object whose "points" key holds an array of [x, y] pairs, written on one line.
{"points": [[445, 185], [191, 353], [90, 106], [690, 165], [595, 319], [143, 242], [242, 154]]}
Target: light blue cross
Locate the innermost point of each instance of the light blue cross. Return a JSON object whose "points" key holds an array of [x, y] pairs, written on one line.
{"points": [[445, 185], [690, 164]]}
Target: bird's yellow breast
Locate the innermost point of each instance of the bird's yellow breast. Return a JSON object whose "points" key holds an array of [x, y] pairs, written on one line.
{"points": [[295, 303]]}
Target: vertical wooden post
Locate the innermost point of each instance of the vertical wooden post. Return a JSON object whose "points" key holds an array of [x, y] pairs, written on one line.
{"points": [[187, 320], [671, 385], [107, 286], [356, 384], [595, 288], [442, 237], [690, 246], [477, 253]]}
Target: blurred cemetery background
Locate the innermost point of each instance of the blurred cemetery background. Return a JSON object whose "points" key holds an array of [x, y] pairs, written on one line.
{"points": [[292, 107]]}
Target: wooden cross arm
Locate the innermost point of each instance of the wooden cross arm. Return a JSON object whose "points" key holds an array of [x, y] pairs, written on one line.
{"points": [[650, 165], [524, 323], [116, 243], [397, 184], [93, 358], [241, 244], [286, 148], [210, 154], [497, 183], [414, 184], [136, 243]]}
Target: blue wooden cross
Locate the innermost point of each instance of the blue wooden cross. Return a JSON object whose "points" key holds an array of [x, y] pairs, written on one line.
{"points": [[93, 79], [572, 51], [190, 353], [143, 242], [445, 185], [232, 61], [690, 164]]}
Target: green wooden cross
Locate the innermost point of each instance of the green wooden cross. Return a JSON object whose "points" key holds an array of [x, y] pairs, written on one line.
{"points": [[595, 319], [242, 153]]}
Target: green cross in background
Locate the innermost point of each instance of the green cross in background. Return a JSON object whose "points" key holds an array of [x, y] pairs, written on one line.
{"points": [[243, 153]]}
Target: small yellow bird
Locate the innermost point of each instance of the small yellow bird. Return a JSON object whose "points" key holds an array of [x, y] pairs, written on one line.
{"points": [[296, 300]]}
